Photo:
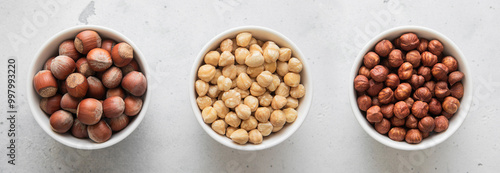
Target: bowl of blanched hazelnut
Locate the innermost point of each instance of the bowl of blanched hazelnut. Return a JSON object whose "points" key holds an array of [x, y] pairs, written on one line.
{"points": [[410, 88], [87, 87], [251, 88]]}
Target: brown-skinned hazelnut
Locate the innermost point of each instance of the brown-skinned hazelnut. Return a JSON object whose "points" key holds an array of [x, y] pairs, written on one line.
{"points": [[371, 59], [379, 73], [77, 85], [361, 83], [447, 115], [375, 102], [385, 62], [411, 122], [375, 87], [397, 43], [364, 102], [440, 71], [420, 109], [435, 107], [413, 136], [417, 81], [68, 48], [49, 105], [383, 48], [373, 114], [425, 135], [455, 77], [441, 123], [435, 47], [383, 126], [62, 66], [405, 71], [403, 91], [122, 53], [61, 121], [457, 90], [401, 110], [385, 96], [413, 57], [451, 105], [86, 41], [450, 62], [431, 85], [392, 81], [99, 132], [441, 90], [397, 122], [387, 110], [409, 101], [397, 134], [425, 72], [364, 71], [422, 47], [422, 94], [409, 41], [426, 124], [396, 58], [428, 59]]}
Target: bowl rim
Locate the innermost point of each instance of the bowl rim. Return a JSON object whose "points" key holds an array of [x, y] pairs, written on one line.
{"points": [[124, 133], [304, 105], [457, 119]]}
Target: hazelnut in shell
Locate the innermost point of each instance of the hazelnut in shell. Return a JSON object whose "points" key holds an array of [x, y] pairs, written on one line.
{"points": [[77, 85], [96, 88], [135, 83], [68, 48], [122, 54], [113, 107], [61, 121], [49, 105], [119, 123], [69, 103], [133, 105], [82, 66], [79, 129], [99, 132], [112, 77], [62, 66], [99, 59], [86, 41], [89, 111]]}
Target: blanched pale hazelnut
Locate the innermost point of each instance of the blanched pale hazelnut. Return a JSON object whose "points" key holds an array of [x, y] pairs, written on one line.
{"points": [[435, 107], [240, 136], [277, 118], [274, 84], [397, 133], [213, 91], [411, 122], [379, 73], [383, 126], [226, 58], [256, 47], [285, 54], [231, 98], [291, 102], [283, 90], [420, 109], [253, 72], [395, 58], [371, 59], [243, 111], [209, 114], [203, 102], [409, 41], [254, 59], [423, 45], [405, 71], [249, 124], [226, 45], [221, 108], [455, 77], [451, 63], [441, 124], [262, 114], [413, 57], [361, 83], [373, 114], [299, 91], [403, 91], [451, 104], [383, 48], [224, 83], [206, 72], [218, 73], [243, 81], [385, 96], [426, 124], [201, 87], [271, 67], [375, 88], [254, 136], [219, 126], [290, 114], [422, 94], [252, 102], [413, 136], [230, 131], [401, 110], [241, 54], [392, 81], [229, 71], [387, 110], [425, 72], [457, 90], [278, 102], [256, 89], [440, 71], [212, 58], [271, 52], [265, 99], [429, 59], [294, 65], [243, 39], [265, 78], [292, 79], [441, 90], [435, 47], [282, 68], [265, 128], [232, 119]]}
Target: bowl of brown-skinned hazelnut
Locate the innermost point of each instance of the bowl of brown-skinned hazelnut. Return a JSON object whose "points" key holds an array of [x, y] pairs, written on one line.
{"points": [[410, 88], [251, 88], [87, 87]]}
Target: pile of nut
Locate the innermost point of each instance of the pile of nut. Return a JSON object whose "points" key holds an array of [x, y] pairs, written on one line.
{"points": [[408, 89], [97, 80], [247, 88]]}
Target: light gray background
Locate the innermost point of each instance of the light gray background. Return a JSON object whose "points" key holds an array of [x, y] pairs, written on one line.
{"points": [[329, 33]]}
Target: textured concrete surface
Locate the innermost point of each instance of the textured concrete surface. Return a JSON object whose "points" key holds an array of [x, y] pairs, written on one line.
{"points": [[170, 34]]}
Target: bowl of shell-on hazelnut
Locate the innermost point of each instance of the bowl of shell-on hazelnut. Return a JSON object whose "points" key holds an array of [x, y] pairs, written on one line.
{"points": [[251, 88], [87, 87], [411, 88]]}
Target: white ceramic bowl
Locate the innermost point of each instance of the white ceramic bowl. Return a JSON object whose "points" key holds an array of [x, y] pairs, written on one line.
{"points": [[49, 49], [264, 34], [449, 49]]}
